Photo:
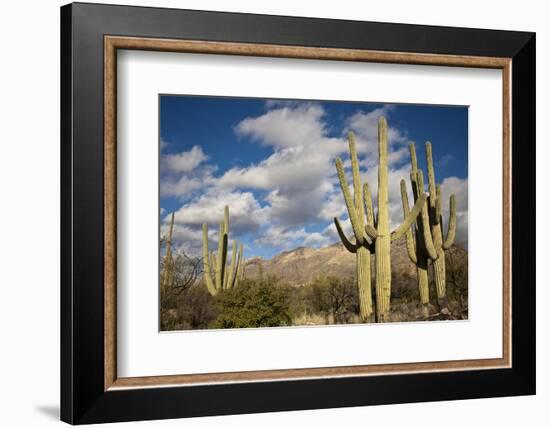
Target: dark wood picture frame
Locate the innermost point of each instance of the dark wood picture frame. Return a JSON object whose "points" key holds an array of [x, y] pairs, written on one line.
{"points": [[90, 37]]}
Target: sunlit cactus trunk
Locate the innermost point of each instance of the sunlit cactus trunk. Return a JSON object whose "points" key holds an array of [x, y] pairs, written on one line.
{"points": [[383, 239], [364, 283], [216, 275]]}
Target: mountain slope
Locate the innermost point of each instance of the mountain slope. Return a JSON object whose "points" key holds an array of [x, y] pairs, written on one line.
{"points": [[302, 265]]}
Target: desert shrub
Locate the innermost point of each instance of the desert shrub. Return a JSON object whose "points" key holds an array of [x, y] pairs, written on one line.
{"points": [[334, 298], [457, 283], [193, 309], [253, 303]]}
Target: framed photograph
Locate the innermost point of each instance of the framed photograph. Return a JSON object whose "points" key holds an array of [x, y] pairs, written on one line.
{"points": [[267, 213]]}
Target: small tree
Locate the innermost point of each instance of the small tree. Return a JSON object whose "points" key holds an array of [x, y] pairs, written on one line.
{"points": [[184, 271], [333, 297], [255, 303]]}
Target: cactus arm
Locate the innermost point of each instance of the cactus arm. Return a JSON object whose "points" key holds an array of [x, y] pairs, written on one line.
{"points": [[451, 230], [349, 202], [207, 262], [240, 270], [371, 231], [220, 259], [426, 226], [431, 175], [383, 216], [212, 261], [409, 219], [238, 267], [414, 162], [352, 248], [411, 244], [229, 276], [414, 172], [357, 190], [367, 198], [225, 278], [437, 218]]}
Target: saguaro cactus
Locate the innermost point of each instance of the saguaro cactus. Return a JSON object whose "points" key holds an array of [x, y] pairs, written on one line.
{"points": [[356, 211], [436, 224], [378, 231], [167, 275], [216, 275], [428, 241]]}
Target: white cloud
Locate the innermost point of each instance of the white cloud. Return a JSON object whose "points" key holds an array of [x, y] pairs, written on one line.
{"points": [[297, 175], [277, 236], [333, 205], [181, 187], [184, 161], [286, 239], [286, 126], [331, 232], [245, 212], [316, 240], [458, 187], [293, 167]]}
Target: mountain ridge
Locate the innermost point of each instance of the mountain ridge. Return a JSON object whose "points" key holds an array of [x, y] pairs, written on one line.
{"points": [[301, 265]]}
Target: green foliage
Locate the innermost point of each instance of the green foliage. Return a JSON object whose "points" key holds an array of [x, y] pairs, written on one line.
{"points": [[255, 303]]}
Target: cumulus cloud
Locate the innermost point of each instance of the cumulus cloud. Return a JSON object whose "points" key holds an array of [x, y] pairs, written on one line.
{"points": [[184, 161], [297, 175], [458, 187], [181, 175], [179, 187], [246, 213], [286, 239], [286, 126]]}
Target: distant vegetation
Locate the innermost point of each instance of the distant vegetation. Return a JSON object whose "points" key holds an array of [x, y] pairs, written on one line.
{"points": [[262, 303], [272, 302]]}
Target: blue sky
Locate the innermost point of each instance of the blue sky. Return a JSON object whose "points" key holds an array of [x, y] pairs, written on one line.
{"points": [[272, 162]]}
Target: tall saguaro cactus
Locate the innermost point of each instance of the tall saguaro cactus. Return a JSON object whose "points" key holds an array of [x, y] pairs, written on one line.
{"points": [[167, 266], [216, 275], [429, 242], [420, 246], [436, 224], [356, 211], [377, 230]]}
